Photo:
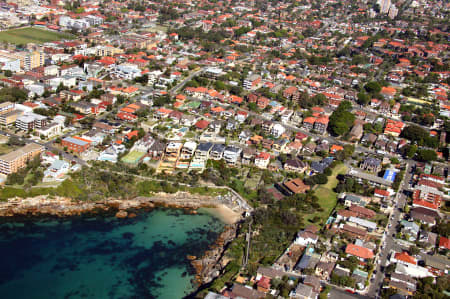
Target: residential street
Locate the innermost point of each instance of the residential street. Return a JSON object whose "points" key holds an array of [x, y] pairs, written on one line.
{"points": [[388, 238]]}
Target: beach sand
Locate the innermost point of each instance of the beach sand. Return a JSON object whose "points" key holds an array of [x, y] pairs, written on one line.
{"points": [[226, 214]]}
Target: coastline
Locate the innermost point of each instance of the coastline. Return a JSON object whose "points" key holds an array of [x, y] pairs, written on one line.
{"points": [[207, 267], [66, 207]]}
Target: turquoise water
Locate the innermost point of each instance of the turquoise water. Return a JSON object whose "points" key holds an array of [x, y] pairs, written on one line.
{"points": [[104, 257]]}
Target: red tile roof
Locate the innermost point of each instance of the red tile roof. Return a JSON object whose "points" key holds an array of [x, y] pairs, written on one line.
{"points": [[405, 257], [444, 243], [359, 251]]}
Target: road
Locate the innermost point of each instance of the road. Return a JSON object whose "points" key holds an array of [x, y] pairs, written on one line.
{"points": [[337, 293], [387, 241], [180, 85]]}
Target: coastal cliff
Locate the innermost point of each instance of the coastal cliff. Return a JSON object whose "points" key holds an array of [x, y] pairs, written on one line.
{"points": [[210, 265]]}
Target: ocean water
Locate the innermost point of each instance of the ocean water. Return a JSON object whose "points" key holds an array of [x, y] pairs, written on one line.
{"points": [[104, 257]]}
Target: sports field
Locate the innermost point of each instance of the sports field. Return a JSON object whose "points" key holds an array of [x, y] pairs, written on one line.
{"points": [[132, 157], [32, 35]]}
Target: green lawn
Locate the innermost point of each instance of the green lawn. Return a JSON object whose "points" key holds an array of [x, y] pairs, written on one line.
{"points": [[327, 197], [32, 35]]}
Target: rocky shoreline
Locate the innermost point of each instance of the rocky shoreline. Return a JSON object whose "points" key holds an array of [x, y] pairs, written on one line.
{"points": [[211, 264], [66, 207]]}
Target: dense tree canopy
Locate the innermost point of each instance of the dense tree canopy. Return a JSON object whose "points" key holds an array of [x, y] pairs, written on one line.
{"points": [[341, 120]]}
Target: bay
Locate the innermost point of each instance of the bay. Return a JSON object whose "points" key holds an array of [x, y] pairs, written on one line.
{"points": [[104, 257]]}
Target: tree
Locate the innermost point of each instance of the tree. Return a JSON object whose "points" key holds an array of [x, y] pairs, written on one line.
{"points": [[372, 87], [341, 119], [15, 141], [363, 98], [426, 155]]}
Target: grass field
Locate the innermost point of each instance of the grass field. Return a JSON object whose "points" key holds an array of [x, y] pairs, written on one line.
{"points": [[327, 197], [32, 35]]}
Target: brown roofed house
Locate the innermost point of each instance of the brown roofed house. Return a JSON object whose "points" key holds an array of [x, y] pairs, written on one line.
{"points": [[296, 186]]}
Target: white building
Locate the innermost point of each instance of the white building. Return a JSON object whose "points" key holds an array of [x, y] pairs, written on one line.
{"points": [[277, 130], [50, 130]]}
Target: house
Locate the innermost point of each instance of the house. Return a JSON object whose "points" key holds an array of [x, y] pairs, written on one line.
{"points": [[313, 282], [424, 215], [248, 155], [410, 229], [263, 284], [356, 132], [267, 126], [239, 290], [350, 200], [324, 269], [157, 150], [371, 164], [296, 186], [231, 154], [403, 283], [319, 167], [295, 165], [217, 151], [359, 251], [57, 170], [403, 258], [321, 124], [305, 238], [362, 212], [369, 225], [188, 150], [277, 130], [262, 160], [303, 291], [202, 124], [203, 151], [444, 243], [352, 231]]}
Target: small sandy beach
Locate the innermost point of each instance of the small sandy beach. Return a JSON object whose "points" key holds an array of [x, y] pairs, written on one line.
{"points": [[225, 214]]}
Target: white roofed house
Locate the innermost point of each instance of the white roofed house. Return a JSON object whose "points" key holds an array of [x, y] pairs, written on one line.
{"points": [[127, 71], [369, 225], [232, 154], [305, 238], [143, 144], [277, 130], [57, 170], [188, 150]]}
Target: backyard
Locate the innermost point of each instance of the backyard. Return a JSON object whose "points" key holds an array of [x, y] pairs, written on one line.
{"points": [[32, 35]]}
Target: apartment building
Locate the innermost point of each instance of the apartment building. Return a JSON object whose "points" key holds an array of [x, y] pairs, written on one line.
{"points": [[9, 118], [6, 107], [15, 160], [28, 60], [76, 144], [31, 121]]}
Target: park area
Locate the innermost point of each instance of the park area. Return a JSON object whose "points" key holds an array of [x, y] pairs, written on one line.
{"points": [[327, 197], [32, 35]]}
